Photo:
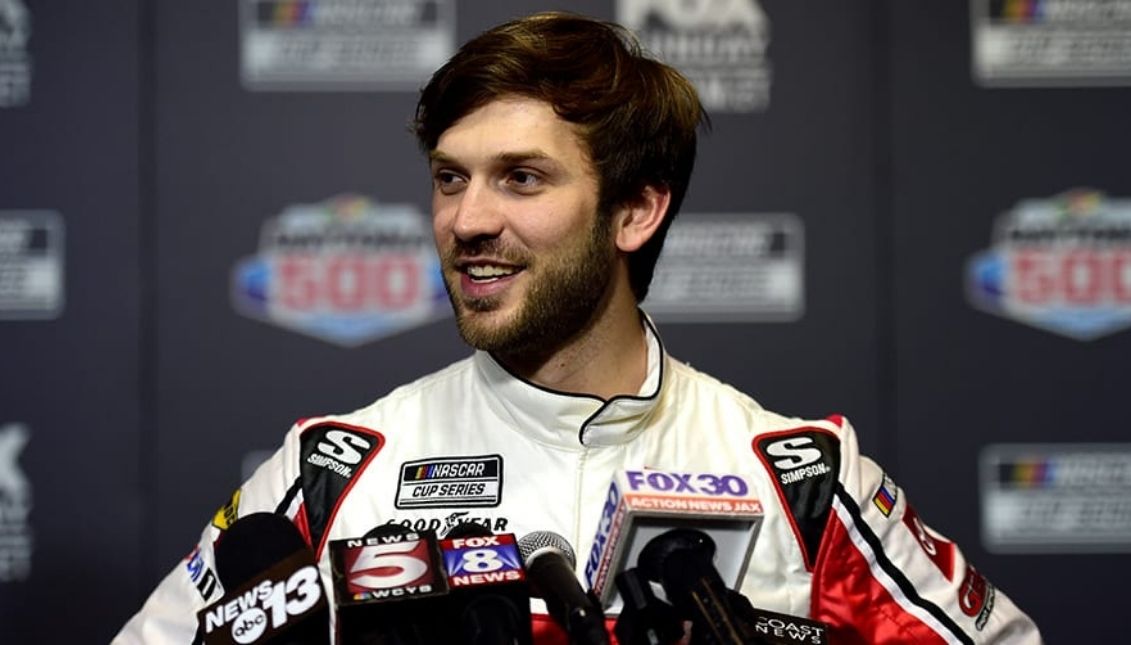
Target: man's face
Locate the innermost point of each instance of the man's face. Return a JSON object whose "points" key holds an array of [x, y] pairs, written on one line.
{"points": [[526, 258]]}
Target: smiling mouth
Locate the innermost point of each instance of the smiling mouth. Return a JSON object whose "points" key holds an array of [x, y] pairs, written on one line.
{"points": [[484, 273]]}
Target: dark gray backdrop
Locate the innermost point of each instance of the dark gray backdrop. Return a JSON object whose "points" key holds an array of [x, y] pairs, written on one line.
{"points": [[145, 395]]}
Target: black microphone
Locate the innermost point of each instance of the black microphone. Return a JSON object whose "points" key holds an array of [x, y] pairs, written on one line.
{"points": [[488, 595], [644, 619], [642, 504], [549, 563], [274, 592], [389, 586], [680, 560]]}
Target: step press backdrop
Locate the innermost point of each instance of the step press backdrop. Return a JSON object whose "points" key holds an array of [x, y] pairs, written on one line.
{"points": [[915, 216]]}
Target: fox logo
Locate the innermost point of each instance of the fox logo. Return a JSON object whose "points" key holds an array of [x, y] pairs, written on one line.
{"points": [[13, 484]]}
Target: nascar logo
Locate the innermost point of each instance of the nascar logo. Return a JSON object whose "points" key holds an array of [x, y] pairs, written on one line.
{"points": [[451, 482]]}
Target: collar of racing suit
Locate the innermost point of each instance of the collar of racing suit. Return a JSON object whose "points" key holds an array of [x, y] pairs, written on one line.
{"points": [[573, 420]]}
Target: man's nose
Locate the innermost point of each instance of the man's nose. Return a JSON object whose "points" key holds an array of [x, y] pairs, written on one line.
{"points": [[479, 213]]}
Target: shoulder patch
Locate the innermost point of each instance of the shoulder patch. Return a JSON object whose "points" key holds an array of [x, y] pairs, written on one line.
{"points": [[940, 551], [200, 574], [976, 597], [886, 496], [332, 456], [228, 513], [804, 464]]}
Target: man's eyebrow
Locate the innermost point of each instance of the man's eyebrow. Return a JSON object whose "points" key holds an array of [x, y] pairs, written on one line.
{"points": [[522, 156], [435, 156], [508, 158]]}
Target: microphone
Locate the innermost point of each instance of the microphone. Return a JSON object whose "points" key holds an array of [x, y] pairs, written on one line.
{"points": [[274, 592], [642, 504], [488, 591], [681, 561], [644, 619], [388, 586], [549, 563]]}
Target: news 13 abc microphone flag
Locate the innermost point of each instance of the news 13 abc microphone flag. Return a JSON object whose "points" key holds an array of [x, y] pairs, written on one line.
{"points": [[275, 590]]}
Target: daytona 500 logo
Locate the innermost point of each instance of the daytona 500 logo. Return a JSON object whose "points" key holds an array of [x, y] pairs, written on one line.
{"points": [[344, 270], [1061, 264]]}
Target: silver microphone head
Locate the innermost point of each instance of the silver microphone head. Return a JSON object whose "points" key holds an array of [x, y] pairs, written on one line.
{"points": [[539, 543]]}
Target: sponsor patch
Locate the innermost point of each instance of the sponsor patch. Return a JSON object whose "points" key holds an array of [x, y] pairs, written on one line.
{"points": [[451, 482], [228, 513], [332, 455], [443, 524], [976, 597], [804, 464], [200, 574], [938, 550], [886, 497], [796, 458]]}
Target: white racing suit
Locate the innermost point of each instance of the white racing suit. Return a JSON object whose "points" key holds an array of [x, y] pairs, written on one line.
{"points": [[839, 541]]}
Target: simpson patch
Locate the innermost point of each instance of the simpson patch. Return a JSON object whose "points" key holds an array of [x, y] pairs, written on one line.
{"points": [[804, 465], [332, 456]]}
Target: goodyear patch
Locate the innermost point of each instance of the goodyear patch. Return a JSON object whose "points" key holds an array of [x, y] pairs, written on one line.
{"points": [[451, 482]]}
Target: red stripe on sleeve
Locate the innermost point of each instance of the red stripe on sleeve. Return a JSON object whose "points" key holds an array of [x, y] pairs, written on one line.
{"points": [[857, 608]]}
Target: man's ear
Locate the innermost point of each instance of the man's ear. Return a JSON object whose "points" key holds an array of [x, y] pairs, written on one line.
{"points": [[637, 221]]}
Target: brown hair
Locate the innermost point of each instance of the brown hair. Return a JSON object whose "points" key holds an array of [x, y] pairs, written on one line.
{"points": [[637, 116]]}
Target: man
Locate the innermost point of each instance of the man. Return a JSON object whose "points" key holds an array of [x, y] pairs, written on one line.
{"points": [[559, 156]]}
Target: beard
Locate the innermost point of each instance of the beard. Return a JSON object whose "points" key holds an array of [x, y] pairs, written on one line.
{"points": [[562, 300]]}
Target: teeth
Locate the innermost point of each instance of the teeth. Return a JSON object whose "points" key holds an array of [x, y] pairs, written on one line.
{"points": [[480, 272]]}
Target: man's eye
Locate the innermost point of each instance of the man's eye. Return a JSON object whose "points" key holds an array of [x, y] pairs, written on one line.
{"points": [[524, 179], [446, 181]]}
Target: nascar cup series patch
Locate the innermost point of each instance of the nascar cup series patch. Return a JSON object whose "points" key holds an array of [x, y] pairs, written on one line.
{"points": [[346, 271], [1061, 264], [451, 482]]}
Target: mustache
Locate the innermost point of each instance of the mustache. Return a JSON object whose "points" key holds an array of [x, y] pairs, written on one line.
{"points": [[489, 247]]}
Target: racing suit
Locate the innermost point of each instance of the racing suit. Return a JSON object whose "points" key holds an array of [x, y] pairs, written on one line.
{"points": [[839, 542]]}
